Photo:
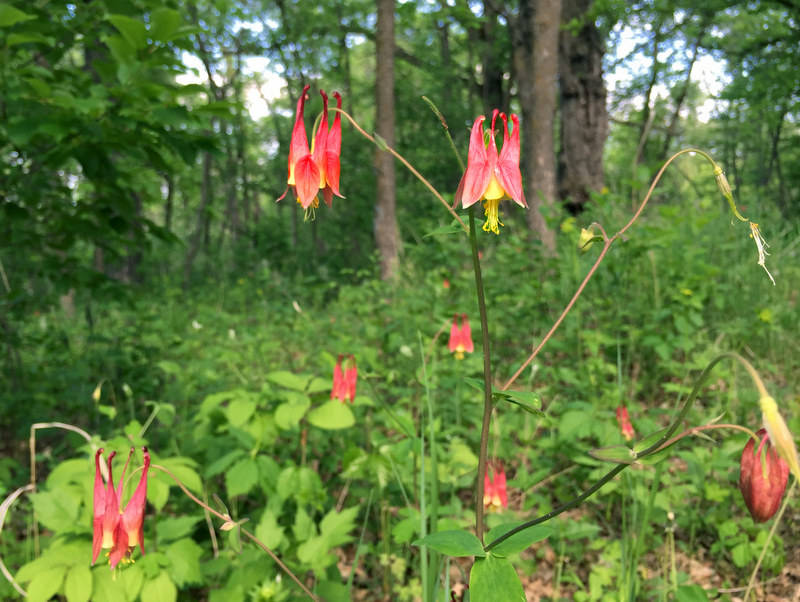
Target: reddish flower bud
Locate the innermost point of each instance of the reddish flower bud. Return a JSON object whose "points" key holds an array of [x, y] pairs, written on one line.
{"points": [[460, 337], [762, 479], [344, 381], [625, 423], [495, 494]]}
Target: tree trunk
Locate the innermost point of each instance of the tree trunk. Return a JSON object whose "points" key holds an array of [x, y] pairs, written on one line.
{"points": [[490, 65], [584, 119], [387, 236], [170, 202], [202, 221], [537, 68]]}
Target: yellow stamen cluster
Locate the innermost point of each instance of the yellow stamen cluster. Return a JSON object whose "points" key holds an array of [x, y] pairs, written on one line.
{"points": [[492, 212]]}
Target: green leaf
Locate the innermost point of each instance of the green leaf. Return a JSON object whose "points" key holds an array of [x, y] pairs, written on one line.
{"points": [[184, 555], [122, 51], [520, 541], [160, 589], [332, 416], [287, 379], [164, 22], [453, 228], [289, 414], [333, 591], [269, 531], [46, 584], [11, 16], [691, 593], [653, 457], [651, 439], [183, 469], [620, 454], [78, 585], [527, 400], [134, 32], [380, 142], [239, 411], [25, 38], [494, 579], [453, 543], [240, 479], [158, 492], [177, 527]]}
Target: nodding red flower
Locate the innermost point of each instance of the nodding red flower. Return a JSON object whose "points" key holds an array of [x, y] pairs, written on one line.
{"points": [[317, 169], [119, 530], [762, 478], [495, 495], [344, 381], [460, 337], [625, 423], [489, 176]]}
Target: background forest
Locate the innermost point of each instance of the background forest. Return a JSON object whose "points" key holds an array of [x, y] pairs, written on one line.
{"points": [[154, 293]]}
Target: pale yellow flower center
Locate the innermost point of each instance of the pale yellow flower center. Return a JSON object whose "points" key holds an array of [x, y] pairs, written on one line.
{"points": [[494, 191]]}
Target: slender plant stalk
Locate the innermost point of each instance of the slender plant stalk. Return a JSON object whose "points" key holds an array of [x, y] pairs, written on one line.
{"points": [[646, 452], [252, 537], [606, 247], [774, 528], [402, 159], [637, 545], [434, 510], [487, 375]]}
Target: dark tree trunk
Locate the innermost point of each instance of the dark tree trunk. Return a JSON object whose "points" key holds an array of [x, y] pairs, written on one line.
{"points": [[536, 56], [491, 67], [387, 236], [584, 119], [170, 201], [202, 219]]}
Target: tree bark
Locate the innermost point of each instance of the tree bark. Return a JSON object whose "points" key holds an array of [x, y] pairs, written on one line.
{"points": [[537, 69], [584, 119], [202, 222], [387, 235], [490, 64]]}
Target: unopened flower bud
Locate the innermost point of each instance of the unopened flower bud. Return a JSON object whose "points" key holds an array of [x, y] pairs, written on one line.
{"points": [[585, 240], [763, 478]]}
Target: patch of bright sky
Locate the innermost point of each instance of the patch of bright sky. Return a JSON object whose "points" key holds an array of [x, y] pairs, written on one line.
{"points": [[707, 71]]}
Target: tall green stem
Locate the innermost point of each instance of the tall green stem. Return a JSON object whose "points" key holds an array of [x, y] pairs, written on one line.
{"points": [[487, 375]]}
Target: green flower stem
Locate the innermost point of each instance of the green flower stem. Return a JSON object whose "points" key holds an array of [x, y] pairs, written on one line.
{"points": [[774, 528], [553, 513], [608, 241], [446, 128], [252, 537], [665, 438], [487, 375]]}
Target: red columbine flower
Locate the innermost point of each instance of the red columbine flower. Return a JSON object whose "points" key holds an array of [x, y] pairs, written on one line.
{"points": [[460, 338], [115, 529], [763, 478], [625, 423], [489, 176], [344, 382], [329, 160], [317, 169], [495, 495]]}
